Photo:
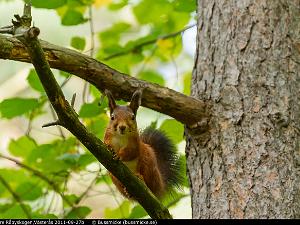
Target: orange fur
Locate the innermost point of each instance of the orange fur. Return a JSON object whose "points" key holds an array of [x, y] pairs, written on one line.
{"points": [[138, 156]]}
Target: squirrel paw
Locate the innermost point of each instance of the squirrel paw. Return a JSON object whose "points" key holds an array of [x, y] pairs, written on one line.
{"points": [[140, 176], [127, 195], [115, 156]]}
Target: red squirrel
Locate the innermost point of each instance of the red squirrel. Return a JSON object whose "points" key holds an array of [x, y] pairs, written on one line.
{"points": [[150, 154]]}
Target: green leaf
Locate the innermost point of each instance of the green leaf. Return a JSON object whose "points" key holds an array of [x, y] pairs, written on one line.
{"points": [[105, 179], [137, 212], [73, 17], [64, 146], [72, 198], [182, 161], [2, 189], [173, 129], [46, 158], [77, 160], [169, 48], [123, 211], [152, 76], [163, 17], [64, 74], [86, 159], [110, 37], [49, 158], [14, 175], [78, 43], [172, 198], [185, 5], [90, 110], [78, 213], [159, 11], [99, 125], [14, 211], [53, 4], [95, 92], [153, 124], [118, 5], [69, 158], [34, 81], [29, 191], [22, 147], [10, 108], [187, 83]]}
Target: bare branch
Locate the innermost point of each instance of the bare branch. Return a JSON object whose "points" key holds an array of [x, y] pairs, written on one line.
{"points": [[187, 110], [7, 30], [55, 118], [55, 123], [73, 100]]}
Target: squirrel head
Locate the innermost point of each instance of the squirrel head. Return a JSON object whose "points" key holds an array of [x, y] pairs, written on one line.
{"points": [[123, 118]]}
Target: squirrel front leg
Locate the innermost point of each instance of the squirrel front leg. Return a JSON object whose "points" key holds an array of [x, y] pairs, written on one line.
{"points": [[127, 153], [120, 186], [140, 176], [107, 141]]}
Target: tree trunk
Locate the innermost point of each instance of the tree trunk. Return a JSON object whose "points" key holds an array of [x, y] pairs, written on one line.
{"points": [[247, 70]]}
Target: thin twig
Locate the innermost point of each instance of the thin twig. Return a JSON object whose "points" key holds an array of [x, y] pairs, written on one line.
{"points": [[146, 61], [55, 123], [86, 87], [50, 203], [55, 118], [65, 81], [114, 195], [152, 41], [92, 31], [73, 100], [29, 127], [83, 194], [7, 30], [16, 196], [174, 61]]}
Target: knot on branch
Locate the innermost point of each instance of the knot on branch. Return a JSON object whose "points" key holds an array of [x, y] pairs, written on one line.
{"points": [[33, 32], [20, 24]]}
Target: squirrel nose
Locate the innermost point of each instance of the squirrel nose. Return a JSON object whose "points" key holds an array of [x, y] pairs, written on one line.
{"points": [[122, 128]]}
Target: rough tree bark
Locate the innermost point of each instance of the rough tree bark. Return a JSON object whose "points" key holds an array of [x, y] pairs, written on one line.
{"points": [[247, 70]]}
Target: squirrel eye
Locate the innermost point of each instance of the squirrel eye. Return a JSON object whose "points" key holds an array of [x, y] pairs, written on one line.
{"points": [[112, 117], [133, 117]]}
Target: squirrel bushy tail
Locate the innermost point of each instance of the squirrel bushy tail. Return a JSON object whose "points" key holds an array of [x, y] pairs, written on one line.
{"points": [[169, 162]]}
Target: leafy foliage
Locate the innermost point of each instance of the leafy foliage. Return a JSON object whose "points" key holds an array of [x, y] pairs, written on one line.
{"points": [[10, 108], [143, 47], [78, 43]]}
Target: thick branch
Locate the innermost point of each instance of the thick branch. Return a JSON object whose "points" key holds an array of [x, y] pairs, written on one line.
{"points": [[68, 119], [187, 110]]}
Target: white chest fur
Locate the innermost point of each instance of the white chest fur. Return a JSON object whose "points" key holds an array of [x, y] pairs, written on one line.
{"points": [[119, 142], [132, 164]]}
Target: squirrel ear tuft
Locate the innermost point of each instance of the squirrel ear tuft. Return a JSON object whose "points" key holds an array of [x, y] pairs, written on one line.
{"points": [[136, 100], [111, 101]]}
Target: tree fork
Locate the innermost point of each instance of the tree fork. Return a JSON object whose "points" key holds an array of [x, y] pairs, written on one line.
{"points": [[67, 118]]}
